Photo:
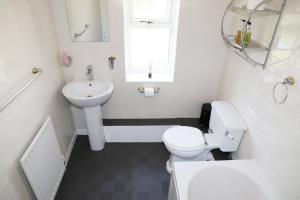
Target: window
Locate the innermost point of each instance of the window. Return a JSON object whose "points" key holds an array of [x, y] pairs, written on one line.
{"points": [[150, 39]]}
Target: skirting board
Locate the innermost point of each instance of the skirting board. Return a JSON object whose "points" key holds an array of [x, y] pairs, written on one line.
{"points": [[132, 133], [81, 132], [72, 143]]}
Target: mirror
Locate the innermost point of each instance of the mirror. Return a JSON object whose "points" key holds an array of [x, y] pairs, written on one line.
{"points": [[88, 20]]}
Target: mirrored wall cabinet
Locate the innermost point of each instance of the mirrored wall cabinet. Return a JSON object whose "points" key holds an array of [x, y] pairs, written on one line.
{"points": [[88, 20], [249, 27]]}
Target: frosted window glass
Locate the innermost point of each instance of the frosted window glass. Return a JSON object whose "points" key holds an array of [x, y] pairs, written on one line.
{"points": [[149, 46], [151, 9]]}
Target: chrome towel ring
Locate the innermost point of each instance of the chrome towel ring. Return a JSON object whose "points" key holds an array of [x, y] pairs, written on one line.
{"points": [[289, 81]]}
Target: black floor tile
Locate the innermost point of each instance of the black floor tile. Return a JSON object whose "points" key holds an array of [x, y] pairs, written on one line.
{"points": [[132, 171], [219, 155]]}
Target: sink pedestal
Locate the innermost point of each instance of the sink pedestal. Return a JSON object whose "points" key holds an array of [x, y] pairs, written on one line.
{"points": [[93, 117], [90, 95]]}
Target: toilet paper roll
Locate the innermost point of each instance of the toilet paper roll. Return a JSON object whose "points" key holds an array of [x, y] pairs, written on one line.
{"points": [[149, 92]]}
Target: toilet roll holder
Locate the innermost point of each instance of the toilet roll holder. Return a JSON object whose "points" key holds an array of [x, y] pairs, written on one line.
{"points": [[142, 89]]}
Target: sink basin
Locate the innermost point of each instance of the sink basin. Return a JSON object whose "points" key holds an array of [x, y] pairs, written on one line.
{"points": [[88, 93]]}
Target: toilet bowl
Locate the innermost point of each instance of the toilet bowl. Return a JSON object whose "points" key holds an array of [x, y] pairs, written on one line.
{"points": [[188, 143], [184, 142]]}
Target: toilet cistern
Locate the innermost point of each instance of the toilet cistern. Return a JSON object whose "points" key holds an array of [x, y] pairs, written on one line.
{"points": [[89, 72], [188, 143]]}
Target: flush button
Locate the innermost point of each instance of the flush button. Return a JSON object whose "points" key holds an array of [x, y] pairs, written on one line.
{"points": [[229, 135]]}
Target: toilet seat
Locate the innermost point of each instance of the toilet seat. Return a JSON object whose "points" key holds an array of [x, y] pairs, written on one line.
{"points": [[184, 138]]}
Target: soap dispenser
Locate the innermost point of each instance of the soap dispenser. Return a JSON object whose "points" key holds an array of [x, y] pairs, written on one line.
{"points": [[239, 35], [248, 35]]}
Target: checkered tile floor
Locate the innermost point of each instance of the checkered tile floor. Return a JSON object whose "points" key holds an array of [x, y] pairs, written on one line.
{"points": [[122, 171]]}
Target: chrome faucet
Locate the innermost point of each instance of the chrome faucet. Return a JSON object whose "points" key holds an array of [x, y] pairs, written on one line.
{"points": [[89, 72]]}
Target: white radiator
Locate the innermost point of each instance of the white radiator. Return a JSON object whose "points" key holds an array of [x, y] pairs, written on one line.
{"points": [[43, 163]]}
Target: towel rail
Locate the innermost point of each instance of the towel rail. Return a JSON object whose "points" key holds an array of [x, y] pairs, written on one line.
{"points": [[36, 72]]}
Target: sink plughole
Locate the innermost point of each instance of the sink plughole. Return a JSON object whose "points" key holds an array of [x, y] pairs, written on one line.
{"points": [[90, 95]]}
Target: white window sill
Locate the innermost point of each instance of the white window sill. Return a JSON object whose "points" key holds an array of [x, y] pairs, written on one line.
{"points": [[142, 77]]}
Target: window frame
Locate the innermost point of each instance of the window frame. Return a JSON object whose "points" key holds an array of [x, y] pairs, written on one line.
{"points": [[163, 73], [155, 21]]}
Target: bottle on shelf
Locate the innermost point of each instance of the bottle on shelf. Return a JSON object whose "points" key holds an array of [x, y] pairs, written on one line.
{"points": [[247, 38], [239, 35]]}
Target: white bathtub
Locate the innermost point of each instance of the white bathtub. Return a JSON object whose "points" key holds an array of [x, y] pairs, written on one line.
{"points": [[219, 180]]}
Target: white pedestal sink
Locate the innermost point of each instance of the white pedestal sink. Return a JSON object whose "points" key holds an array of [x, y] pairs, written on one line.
{"points": [[90, 95]]}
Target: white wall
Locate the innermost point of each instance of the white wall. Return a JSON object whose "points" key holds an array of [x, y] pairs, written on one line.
{"points": [[200, 59], [273, 138], [27, 39]]}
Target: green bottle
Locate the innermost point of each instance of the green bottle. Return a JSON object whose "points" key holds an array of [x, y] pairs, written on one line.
{"points": [[247, 38]]}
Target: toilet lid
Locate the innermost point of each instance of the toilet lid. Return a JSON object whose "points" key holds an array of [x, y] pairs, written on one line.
{"points": [[183, 137]]}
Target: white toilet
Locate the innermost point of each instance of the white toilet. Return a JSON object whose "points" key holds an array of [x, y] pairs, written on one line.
{"points": [[226, 132]]}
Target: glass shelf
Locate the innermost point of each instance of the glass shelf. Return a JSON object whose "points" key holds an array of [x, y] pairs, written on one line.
{"points": [[254, 46], [244, 12], [263, 28]]}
